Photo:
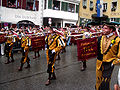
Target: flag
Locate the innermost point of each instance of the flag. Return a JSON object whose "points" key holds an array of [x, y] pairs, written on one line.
{"points": [[99, 8]]}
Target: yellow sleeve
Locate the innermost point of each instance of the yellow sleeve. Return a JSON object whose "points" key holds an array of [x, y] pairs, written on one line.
{"points": [[28, 44], [60, 44], [11, 43], [46, 39], [83, 37], [90, 35], [117, 60]]}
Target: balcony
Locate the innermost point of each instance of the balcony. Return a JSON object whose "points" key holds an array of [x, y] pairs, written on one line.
{"points": [[60, 14]]}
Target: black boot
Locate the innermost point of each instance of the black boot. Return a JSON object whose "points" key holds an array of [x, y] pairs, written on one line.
{"points": [[58, 57], [28, 63], [35, 55], [84, 66], [7, 61], [48, 81], [28, 66], [54, 76], [20, 68], [12, 57]]}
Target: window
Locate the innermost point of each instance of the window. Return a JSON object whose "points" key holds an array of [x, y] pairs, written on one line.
{"points": [[12, 3], [23, 2], [96, 7], [19, 3], [30, 4], [114, 6], [112, 19], [71, 7], [84, 4], [49, 4], [91, 5], [36, 7], [56, 5], [104, 7], [4, 3], [64, 6], [77, 8], [45, 2]]}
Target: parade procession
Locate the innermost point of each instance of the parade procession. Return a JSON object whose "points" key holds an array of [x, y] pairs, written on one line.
{"points": [[60, 45]]}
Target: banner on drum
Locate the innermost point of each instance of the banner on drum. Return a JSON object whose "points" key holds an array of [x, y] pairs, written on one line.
{"points": [[86, 48]]}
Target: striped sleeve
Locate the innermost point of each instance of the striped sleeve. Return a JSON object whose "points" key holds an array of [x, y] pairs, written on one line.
{"points": [[61, 41]]}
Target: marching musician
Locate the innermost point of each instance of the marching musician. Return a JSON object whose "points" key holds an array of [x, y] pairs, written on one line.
{"points": [[65, 37], [9, 46], [54, 44], [25, 44], [108, 56], [19, 34], [36, 51], [86, 34]]}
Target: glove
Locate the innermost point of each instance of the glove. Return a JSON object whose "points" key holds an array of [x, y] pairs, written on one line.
{"points": [[45, 48], [24, 50], [9, 45], [53, 51], [112, 65]]}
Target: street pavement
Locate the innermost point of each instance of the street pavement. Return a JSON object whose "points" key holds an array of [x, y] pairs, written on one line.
{"points": [[69, 76]]}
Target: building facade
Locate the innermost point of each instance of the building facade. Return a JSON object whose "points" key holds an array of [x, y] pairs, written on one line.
{"points": [[60, 13], [21, 13], [111, 8]]}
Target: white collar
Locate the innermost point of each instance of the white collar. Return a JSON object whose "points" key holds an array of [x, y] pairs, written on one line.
{"points": [[109, 35]]}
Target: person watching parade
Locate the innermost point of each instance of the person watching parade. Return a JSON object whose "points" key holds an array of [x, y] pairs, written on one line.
{"points": [[117, 86], [9, 46], [54, 44], [2, 44], [108, 56], [25, 44]]}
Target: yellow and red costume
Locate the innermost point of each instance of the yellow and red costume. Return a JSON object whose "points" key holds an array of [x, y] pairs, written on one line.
{"points": [[25, 44], [8, 48], [54, 45], [108, 56]]}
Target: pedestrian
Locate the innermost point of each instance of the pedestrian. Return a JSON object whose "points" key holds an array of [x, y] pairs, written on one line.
{"points": [[54, 44], [117, 86], [108, 56], [25, 44], [2, 44]]}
